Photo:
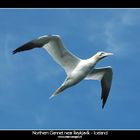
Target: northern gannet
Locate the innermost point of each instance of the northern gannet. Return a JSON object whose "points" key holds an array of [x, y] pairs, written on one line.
{"points": [[76, 69]]}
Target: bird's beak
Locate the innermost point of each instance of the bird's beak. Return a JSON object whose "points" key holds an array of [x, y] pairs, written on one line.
{"points": [[108, 54]]}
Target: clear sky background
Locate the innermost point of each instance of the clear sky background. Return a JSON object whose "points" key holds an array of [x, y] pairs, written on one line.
{"points": [[28, 79]]}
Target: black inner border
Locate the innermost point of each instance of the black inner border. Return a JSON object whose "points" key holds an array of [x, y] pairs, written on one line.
{"points": [[69, 4]]}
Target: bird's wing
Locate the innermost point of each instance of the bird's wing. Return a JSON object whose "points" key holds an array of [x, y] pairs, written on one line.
{"points": [[105, 76], [54, 46]]}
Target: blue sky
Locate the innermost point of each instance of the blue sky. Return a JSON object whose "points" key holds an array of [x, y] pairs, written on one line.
{"points": [[28, 79]]}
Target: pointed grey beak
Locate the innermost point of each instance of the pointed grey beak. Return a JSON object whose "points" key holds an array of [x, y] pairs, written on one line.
{"points": [[108, 54]]}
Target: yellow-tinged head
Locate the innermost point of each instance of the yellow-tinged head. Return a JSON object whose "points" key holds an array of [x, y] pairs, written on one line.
{"points": [[101, 55]]}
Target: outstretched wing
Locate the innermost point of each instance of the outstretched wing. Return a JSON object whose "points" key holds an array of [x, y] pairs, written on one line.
{"points": [[105, 76], [54, 46]]}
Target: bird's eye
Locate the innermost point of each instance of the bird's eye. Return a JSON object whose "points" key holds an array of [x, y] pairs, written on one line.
{"points": [[101, 54]]}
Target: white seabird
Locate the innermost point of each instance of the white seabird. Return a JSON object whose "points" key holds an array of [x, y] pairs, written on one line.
{"points": [[76, 69]]}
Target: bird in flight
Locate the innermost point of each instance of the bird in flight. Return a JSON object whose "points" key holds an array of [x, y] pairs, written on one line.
{"points": [[76, 69]]}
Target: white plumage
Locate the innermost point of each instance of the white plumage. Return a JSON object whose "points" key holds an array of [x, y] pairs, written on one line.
{"points": [[76, 69]]}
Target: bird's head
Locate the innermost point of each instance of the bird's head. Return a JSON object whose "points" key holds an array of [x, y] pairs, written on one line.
{"points": [[101, 55]]}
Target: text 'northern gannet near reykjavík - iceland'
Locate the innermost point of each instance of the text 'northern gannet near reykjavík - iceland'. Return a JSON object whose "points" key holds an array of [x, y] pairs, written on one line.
{"points": [[76, 69]]}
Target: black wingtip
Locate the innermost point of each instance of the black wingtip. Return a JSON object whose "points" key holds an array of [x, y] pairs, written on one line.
{"points": [[14, 52], [103, 103], [103, 106]]}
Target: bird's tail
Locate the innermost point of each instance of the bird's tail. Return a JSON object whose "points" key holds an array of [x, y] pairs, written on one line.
{"points": [[59, 90]]}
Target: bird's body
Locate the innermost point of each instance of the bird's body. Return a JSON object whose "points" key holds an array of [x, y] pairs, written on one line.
{"points": [[76, 69], [81, 71]]}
